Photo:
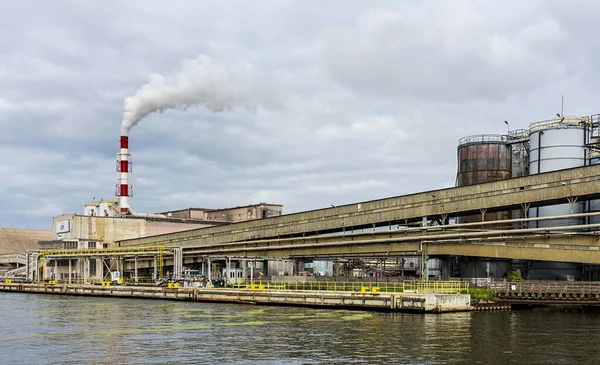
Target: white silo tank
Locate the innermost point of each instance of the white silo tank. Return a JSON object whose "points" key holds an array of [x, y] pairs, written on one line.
{"points": [[555, 145]]}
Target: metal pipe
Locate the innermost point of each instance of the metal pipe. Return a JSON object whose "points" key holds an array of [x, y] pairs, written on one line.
{"points": [[504, 234], [438, 228]]}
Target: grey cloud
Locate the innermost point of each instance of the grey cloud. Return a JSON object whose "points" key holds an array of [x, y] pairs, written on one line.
{"points": [[368, 99]]}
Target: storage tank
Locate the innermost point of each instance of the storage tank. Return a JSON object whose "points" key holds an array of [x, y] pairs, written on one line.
{"points": [[484, 158], [555, 145]]}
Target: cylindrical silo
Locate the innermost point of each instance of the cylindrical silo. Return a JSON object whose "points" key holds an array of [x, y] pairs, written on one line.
{"points": [[484, 158], [555, 145]]}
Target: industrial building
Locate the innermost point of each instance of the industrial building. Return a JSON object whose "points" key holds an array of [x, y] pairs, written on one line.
{"points": [[102, 225], [527, 200], [551, 145]]}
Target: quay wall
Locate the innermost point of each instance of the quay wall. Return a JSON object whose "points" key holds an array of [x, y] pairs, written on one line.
{"points": [[311, 298]]}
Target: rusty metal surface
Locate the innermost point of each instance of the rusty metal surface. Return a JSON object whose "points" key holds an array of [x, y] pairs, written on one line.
{"points": [[480, 163]]}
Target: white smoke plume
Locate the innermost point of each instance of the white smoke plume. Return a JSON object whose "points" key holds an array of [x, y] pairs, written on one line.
{"points": [[201, 81]]}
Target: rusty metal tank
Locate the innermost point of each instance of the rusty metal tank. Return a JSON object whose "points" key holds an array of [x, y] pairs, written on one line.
{"points": [[484, 158]]}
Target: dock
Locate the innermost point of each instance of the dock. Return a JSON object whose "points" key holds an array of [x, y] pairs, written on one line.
{"points": [[548, 292], [368, 300]]}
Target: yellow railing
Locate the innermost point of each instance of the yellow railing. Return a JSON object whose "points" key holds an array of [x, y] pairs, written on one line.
{"points": [[75, 252], [437, 287], [389, 287], [560, 122]]}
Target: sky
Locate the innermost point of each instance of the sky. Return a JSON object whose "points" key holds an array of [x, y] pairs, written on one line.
{"points": [[346, 101]]}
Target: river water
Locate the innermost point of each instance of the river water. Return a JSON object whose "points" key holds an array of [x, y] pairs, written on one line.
{"points": [[52, 329]]}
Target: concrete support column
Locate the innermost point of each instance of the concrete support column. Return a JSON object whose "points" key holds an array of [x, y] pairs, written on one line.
{"points": [[244, 268], [135, 269], [27, 265], [209, 265], [70, 271], [84, 271], [55, 270], [227, 268], [251, 263], [155, 271]]}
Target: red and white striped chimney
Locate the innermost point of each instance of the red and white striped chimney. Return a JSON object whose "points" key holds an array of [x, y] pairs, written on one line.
{"points": [[124, 190]]}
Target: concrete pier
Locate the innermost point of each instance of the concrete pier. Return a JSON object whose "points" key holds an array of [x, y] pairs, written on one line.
{"points": [[424, 303]]}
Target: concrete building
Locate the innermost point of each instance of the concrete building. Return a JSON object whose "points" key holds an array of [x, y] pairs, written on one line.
{"points": [[229, 215], [102, 225]]}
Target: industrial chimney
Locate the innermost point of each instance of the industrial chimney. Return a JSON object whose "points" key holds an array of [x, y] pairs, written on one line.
{"points": [[124, 190]]}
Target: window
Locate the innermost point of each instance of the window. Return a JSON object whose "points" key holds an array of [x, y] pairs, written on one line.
{"points": [[70, 245], [91, 244]]}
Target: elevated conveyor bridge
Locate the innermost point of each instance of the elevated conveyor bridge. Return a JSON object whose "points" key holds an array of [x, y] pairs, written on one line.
{"points": [[331, 231]]}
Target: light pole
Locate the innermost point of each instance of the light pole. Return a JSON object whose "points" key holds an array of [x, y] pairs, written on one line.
{"points": [[507, 126]]}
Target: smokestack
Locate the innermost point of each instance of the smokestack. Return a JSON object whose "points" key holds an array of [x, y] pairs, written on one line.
{"points": [[124, 190]]}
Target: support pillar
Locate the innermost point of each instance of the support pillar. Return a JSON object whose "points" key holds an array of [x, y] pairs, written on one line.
{"points": [[209, 266], [28, 265], [155, 271], [424, 268], [252, 272], [70, 271], [135, 269]]}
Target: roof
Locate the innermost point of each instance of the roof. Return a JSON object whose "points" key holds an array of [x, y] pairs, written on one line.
{"points": [[220, 209], [16, 240]]}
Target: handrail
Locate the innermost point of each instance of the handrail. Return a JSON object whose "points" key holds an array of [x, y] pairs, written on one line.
{"points": [[567, 121], [137, 250], [482, 138]]}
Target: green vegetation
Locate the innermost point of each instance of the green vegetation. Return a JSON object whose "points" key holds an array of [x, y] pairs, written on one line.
{"points": [[514, 276], [479, 294]]}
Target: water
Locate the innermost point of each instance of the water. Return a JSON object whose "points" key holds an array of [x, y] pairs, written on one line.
{"points": [[49, 329]]}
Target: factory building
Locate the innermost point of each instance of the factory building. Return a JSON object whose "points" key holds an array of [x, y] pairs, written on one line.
{"points": [[229, 215], [103, 224], [551, 145]]}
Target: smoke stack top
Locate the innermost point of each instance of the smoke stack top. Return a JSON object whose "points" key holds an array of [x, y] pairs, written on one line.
{"points": [[200, 81]]}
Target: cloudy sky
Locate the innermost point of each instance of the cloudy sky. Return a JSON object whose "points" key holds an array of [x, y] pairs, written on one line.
{"points": [[347, 100]]}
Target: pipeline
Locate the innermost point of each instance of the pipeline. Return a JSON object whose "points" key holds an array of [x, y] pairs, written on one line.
{"points": [[461, 236]]}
